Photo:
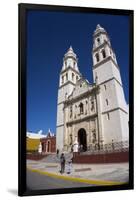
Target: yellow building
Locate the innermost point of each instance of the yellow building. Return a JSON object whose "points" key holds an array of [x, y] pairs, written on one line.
{"points": [[32, 144]]}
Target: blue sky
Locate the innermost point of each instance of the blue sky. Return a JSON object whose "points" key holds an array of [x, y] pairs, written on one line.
{"points": [[49, 35]]}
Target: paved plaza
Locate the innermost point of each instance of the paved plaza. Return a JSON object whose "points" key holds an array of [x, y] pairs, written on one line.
{"points": [[93, 174]]}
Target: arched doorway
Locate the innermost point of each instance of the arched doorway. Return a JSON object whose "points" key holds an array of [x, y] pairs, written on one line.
{"points": [[43, 147], [48, 146], [82, 139]]}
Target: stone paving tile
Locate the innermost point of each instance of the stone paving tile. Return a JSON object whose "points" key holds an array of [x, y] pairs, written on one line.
{"points": [[113, 172]]}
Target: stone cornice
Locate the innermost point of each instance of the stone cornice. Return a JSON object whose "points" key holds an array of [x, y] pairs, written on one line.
{"points": [[104, 61], [113, 78], [68, 82], [60, 125], [114, 109], [69, 56], [82, 119], [71, 69], [95, 35], [102, 45], [62, 102]]}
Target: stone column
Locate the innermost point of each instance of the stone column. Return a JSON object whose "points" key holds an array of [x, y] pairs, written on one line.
{"points": [[40, 148]]}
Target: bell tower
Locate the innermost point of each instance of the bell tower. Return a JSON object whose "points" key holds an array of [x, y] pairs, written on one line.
{"points": [[112, 107], [67, 81]]}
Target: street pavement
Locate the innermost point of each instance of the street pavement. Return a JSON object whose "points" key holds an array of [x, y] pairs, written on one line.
{"points": [[45, 175], [112, 172], [37, 181]]}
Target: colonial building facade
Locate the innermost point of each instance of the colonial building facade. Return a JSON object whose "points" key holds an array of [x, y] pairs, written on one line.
{"points": [[93, 114], [40, 142]]}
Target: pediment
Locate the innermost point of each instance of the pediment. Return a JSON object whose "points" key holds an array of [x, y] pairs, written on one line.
{"points": [[81, 87], [82, 83]]}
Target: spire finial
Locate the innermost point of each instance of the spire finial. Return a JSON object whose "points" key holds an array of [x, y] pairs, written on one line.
{"points": [[98, 26], [70, 48]]}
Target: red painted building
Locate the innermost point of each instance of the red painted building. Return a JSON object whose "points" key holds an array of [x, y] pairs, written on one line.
{"points": [[48, 143]]}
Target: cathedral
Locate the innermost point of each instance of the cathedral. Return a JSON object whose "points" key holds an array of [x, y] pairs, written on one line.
{"points": [[91, 114]]}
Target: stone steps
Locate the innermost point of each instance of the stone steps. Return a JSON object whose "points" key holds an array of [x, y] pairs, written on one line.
{"points": [[52, 158]]}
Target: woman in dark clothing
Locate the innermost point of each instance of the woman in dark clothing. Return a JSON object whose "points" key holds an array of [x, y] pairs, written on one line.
{"points": [[62, 163]]}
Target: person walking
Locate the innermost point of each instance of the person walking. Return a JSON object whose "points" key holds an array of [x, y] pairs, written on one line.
{"points": [[69, 166], [57, 153], [62, 163]]}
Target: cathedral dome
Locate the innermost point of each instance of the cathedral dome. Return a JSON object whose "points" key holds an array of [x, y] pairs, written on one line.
{"points": [[70, 53], [99, 29]]}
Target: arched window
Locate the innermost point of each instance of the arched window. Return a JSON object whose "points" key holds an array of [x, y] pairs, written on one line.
{"points": [[103, 53], [98, 40], [66, 76], [76, 77], [62, 79], [105, 87], [74, 64], [73, 76], [48, 146], [92, 105], [97, 57], [81, 108], [107, 102]]}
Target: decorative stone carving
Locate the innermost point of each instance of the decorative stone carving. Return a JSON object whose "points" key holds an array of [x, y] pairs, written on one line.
{"points": [[70, 111], [75, 145], [70, 139], [94, 136], [92, 105]]}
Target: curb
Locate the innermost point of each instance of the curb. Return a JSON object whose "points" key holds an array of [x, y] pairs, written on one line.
{"points": [[75, 179]]}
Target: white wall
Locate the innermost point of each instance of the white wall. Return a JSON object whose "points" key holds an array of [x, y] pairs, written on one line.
{"points": [[112, 127], [60, 138], [110, 94], [9, 94], [114, 94], [106, 71], [60, 115]]}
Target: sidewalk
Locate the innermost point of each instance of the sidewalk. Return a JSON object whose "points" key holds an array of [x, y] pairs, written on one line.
{"points": [[118, 173]]}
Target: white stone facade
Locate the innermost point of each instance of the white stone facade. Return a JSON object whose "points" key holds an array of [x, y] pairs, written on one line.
{"points": [[93, 114]]}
